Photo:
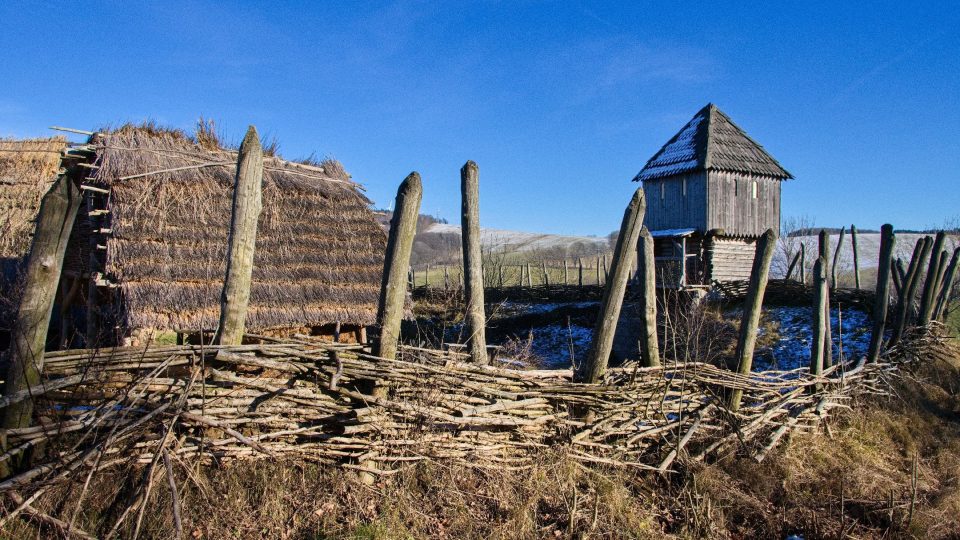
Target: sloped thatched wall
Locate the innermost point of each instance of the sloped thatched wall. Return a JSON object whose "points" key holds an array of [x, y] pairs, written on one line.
{"points": [[319, 249]]}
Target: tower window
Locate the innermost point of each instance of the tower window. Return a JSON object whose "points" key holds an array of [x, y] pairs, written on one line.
{"points": [[663, 190], [753, 188], [684, 187]]}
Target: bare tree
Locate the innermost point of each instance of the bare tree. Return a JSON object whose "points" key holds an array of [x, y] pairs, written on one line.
{"points": [[795, 230]]}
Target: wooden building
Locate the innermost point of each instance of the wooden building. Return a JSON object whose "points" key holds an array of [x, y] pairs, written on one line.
{"points": [[147, 256], [711, 192]]}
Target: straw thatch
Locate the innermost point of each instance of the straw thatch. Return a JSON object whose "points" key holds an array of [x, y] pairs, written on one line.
{"points": [[319, 249], [27, 169]]}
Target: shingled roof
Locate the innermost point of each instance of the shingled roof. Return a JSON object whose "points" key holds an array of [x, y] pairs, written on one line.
{"points": [[711, 141]]}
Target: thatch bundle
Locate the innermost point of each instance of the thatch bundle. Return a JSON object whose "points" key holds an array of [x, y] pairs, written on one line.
{"points": [[27, 169], [319, 249]]}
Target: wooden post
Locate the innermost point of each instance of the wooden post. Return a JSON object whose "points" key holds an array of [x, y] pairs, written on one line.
{"points": [[580, 272], [446, 278], [753, 303], [836, 259], [882, 302], [649, 344], [500, 275], [593, 369], [908, 289], [941, 274], [242, 240], [898, 273], [473, 262], [943, 300], [820, 306], [529, 277], [58, 211], [793, 264], [856, 256], [426, 277], [803, 263], [606, 273], [930, 287], [546, 276], [566, 273], [393, 291], [828, 331], [599, 282]]}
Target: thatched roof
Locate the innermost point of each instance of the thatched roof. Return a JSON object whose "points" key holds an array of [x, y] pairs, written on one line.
{"points": [[711, 141], [319, 252]]}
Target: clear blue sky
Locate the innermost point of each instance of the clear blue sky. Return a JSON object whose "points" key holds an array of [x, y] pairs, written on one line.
{"points": [[560, 103]]}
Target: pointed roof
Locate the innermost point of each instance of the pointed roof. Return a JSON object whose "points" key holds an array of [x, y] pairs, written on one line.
{"points": [[711, 141]]}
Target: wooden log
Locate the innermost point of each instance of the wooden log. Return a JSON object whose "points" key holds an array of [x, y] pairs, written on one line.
{"points": [[25, 354], [946, 288], [930, 287], [803, 263], [896, 267], [753, 303], [909, 289], [529, 276], [941, 277], [592, 370], [546, 277], [580, 272], [426, 277], [606, 273], [242, 241], [836, 259], [475, 320], [599, 280], [824, 248], [856, 256], [446, 278], [566, 273], [793, 264], [393, 291], [649, 342], [500, 275], [882, 300], [819, 324]]}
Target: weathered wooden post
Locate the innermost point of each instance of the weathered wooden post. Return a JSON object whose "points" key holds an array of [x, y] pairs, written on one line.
{"points": [[856, 256], [793, 264], [592, 370], [882, 302], [393, 290], [946, 288], [753, 303], [446, 278], [546, 277], [500, 275], [803, 263], [606, 273], [820, 306], [836, 259], [426, 277], [599, 282], [824, 248], [58, 211], [897, 272], [247, 193], [930, 287], [646, 270], [566, 273], [909, 288], [580, 272], [473, 262]]}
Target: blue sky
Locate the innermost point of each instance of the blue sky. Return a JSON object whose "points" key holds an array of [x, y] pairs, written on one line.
{"points": [[560, 103]]}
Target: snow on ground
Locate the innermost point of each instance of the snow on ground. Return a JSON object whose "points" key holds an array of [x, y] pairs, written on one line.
{"points": [[868, 246], [520, 241], [553, 344], [850, 330]]}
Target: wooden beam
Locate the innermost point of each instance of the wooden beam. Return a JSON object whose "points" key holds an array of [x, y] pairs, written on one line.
{"points": [[242, 241], [592, 370], [647, 276], [393, 287], [473, 262]]}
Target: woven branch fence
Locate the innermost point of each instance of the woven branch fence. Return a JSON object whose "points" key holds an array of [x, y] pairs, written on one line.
{"points": [[306, 400]]}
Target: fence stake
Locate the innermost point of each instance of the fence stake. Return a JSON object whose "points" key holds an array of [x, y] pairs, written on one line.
{"points": [[820, 325], [546, 278], [242, 240], [836, 259], [529, 277], [803, 263], [593, 369], [934, 267], [882, 302], [446, 277], [947, 286], [473, 262], [566, 273], [793, 264], [580, 272], [649, 345], [58, 211], [828, 329], [393, 291], [753, 303], [856, 256], [909, 288], [599, 283]]}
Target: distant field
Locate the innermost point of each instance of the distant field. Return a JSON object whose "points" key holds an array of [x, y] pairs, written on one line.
{"points": [[521, 241]]}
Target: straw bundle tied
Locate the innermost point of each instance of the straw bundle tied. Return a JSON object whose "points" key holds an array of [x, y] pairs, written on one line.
{"points": [[301, 399]]}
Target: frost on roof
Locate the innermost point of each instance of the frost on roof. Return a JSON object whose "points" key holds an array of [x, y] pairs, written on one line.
{"points": [[679, 155]]}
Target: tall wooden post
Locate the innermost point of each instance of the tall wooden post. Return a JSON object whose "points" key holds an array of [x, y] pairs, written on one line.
{"points": [[793, 264], [646, 270], [836, 259], [599, 282], [946, 287], [897, 272], [828, 331], [593, 369], [529, 276], [580, 272], [446, 277], [803, 263], [500, 275], [606, 273], [882, 302], [58, 211], [426, 277], [908, 289], [930, 288], [242, 241], [393, 290], [546, 277], [856, 256], [473, 262], [753, 303], [820, 325], [566, 273]]}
